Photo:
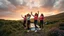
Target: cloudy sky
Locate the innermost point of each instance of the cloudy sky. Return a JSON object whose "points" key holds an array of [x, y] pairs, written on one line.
{"points": [[12, 9]]}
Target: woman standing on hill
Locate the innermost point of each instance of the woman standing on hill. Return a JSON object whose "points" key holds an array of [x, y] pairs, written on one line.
{"points": [[28, 22], [41, 18], [24, 22], [35, 19]]}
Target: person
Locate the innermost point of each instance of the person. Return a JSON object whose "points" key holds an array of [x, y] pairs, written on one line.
{"points": [[28, 22], [35, 19], [41, 18], [24, 22]]}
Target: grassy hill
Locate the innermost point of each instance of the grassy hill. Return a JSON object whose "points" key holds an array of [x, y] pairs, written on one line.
{"points": [[55, 17], [15, 28]]}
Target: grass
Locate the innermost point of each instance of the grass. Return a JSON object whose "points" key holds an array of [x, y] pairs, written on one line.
{"points": [[18, 30], [15, 28]]}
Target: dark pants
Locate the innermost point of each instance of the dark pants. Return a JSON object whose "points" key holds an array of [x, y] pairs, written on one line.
{"points": [[41, 23], [35, 22], [28, 25], [24, 23]]}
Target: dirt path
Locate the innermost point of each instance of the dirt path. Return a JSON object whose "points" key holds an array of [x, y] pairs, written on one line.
{"points": [[32, 33], [24, 32], [39, 33]]}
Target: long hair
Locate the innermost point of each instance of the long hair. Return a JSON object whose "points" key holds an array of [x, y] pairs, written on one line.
{"points": [[36, 14], [25, 15], [28, 15], [42, 15]]}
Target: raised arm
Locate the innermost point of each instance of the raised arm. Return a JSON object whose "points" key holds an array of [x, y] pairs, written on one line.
{"points": [[32, 14], [38, 13], [22, 16]]}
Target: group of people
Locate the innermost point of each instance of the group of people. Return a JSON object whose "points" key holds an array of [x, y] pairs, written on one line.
{"points": [[36, 17]]}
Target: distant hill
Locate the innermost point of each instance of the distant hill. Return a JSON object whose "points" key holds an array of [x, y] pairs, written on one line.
{"points": [[55, 17]]}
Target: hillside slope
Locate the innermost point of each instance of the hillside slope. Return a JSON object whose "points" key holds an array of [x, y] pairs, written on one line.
{"points": [[15, 28], [55, 17]]}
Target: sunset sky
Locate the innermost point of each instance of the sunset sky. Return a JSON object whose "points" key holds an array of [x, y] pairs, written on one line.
{"points": [[13, 9]]}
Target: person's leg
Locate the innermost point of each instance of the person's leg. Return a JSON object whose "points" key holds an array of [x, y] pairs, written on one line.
{"points": [[40, 23], [29, 25], [35, 23], [24, 23]]}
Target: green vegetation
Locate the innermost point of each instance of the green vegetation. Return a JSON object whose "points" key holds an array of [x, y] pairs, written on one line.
{"points": [[15, 28]]}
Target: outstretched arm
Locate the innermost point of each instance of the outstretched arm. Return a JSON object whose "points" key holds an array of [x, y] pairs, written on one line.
{"points": [[32, 14], [38, 13], [22, 16]]}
